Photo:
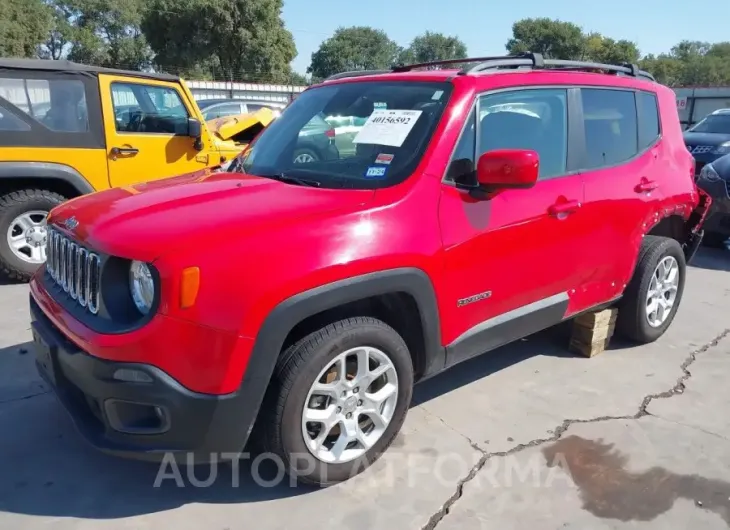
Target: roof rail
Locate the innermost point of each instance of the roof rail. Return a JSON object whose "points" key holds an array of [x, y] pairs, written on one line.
{"points": [[357, 73], [536, 61], [522, 60]]}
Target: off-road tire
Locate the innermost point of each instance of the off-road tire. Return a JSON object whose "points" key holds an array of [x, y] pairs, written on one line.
{"points": [[714, 240], [631, 322], [12, 205], [297, 369]]}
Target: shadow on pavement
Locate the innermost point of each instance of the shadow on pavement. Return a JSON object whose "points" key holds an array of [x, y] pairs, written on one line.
{"points": [[715, 259], [48, 470]]}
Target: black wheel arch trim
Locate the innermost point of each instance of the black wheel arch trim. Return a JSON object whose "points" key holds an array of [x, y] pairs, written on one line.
{"points": [[49, 170], [287, 314]]}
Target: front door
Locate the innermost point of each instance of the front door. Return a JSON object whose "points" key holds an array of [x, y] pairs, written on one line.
{"points": [[146, 123], [512, 261]]}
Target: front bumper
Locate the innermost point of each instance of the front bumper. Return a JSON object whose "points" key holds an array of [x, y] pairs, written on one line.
{"points": [[137, 410]]}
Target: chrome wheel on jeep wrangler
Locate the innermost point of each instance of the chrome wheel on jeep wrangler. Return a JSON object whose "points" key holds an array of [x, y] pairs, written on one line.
{"points": [[23, 230], [337, 400], [27, 236], [350, 405]]}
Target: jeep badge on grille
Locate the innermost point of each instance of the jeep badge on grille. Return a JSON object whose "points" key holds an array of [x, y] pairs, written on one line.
{"points": [[71, 223]]}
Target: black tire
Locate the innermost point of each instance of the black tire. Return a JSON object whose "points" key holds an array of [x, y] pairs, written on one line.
{"points": [[632, 322], [305, 151], [12, 205], [297, 370], [714, 240]]}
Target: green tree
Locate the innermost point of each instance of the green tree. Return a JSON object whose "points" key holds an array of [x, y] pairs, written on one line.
{"points": [[354, 48], [24, 25], [233, 39], [553, 38], [600, 49], [108, 33], [691, 63], [433, 47]]}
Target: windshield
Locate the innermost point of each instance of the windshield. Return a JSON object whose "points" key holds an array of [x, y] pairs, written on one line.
{"points": [[356, 135], [714, 123]]}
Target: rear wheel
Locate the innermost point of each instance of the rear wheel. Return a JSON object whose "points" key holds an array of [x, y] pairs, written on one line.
{"points": [[305, 156], [339, 398], [23, 230], [651, 299]]}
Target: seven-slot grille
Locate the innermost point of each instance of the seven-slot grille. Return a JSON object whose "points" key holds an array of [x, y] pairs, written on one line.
{"points": [[74, 269]]}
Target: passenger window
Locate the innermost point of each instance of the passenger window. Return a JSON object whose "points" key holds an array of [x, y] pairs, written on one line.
{"points": [[230, 109], [611, 128], [648, 119], [535, 119], [59, 104], [148, 109]]}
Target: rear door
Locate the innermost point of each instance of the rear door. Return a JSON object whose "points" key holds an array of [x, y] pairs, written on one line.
{"points": [[146, 126], [512, 261], [624, 180]]}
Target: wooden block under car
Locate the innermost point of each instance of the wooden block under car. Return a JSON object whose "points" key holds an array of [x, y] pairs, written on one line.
{"points": [[592, 332], [597, 318]]}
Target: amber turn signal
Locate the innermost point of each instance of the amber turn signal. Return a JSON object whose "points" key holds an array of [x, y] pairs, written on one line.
{"points": [[189, 286]]}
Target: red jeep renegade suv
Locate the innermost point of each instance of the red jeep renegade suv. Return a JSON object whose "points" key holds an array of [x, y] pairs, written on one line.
{"points": [[465, 209]]}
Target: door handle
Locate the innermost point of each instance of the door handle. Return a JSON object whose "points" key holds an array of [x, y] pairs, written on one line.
{"points": [[566, 207], [123, 151], [646, 186]]}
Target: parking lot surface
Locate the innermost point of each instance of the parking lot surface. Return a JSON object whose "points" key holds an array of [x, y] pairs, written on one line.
{"points": [[530, 436]]}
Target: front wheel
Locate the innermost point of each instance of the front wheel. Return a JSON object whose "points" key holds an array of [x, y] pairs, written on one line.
{"points": [[338, 399], [23, 230], [651, 299]]}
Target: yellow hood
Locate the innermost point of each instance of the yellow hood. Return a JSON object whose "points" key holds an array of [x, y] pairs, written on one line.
{"points": [[241, 128]]}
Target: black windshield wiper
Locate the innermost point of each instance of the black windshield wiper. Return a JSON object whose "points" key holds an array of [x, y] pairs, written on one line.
{"points": [[283, 177]]}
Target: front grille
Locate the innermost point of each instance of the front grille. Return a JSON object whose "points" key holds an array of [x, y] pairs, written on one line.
{"points": [[75, 269]]}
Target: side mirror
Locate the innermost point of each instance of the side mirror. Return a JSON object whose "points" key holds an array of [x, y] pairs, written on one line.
{"points": [[507, 169], [195, 129]]}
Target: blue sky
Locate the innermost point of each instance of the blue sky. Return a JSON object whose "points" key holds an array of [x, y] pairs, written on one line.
{"points": [[485, 26]]}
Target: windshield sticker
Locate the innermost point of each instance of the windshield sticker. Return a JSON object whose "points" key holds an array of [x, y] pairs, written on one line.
{"points": [[437, 95], [387, 127], [375, 172], [384, 158], [380, 105]]}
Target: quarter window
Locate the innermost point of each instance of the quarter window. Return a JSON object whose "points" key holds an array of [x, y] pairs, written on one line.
{"points": [[148, 109], [611, 129], [58, 104], [648, 119]]}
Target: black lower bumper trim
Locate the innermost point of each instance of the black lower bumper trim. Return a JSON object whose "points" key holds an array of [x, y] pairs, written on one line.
{"points": [[145, 418]]}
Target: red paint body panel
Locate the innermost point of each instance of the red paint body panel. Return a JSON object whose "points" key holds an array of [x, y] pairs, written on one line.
{"points": [[259, 242]]}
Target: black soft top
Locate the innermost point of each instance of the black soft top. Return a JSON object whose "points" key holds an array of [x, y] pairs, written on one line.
{"points": [[69, 66]]}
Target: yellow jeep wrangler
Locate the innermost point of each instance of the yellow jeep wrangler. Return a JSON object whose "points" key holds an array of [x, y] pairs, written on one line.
{"points": [[68, 129]]}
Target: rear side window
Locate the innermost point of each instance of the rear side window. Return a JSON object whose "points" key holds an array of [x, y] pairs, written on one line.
{"points": [[611, 127], [57, 104], [649, 129], [230, 109]]}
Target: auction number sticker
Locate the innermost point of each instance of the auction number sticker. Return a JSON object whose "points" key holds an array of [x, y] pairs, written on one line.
{"points": [[387, 127]]}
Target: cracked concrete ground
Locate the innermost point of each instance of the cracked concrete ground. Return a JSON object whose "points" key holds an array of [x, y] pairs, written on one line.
{"points": [[527, 437]]}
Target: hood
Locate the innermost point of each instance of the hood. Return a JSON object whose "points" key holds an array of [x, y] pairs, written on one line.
{"points": [[698, 138], [232, 127], [145, 221]]}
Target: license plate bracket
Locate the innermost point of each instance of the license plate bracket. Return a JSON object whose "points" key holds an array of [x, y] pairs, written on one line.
{"points": [[45, 354]]}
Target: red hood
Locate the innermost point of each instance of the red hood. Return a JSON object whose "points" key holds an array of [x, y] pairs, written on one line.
{"points": [[147, 220]]}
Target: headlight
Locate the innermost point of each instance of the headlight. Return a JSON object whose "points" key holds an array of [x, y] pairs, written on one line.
{"points": [[722, 149], [142, 286], [709, 174]]}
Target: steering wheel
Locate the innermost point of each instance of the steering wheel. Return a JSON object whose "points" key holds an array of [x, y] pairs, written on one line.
{"points": [[135, 121]]}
